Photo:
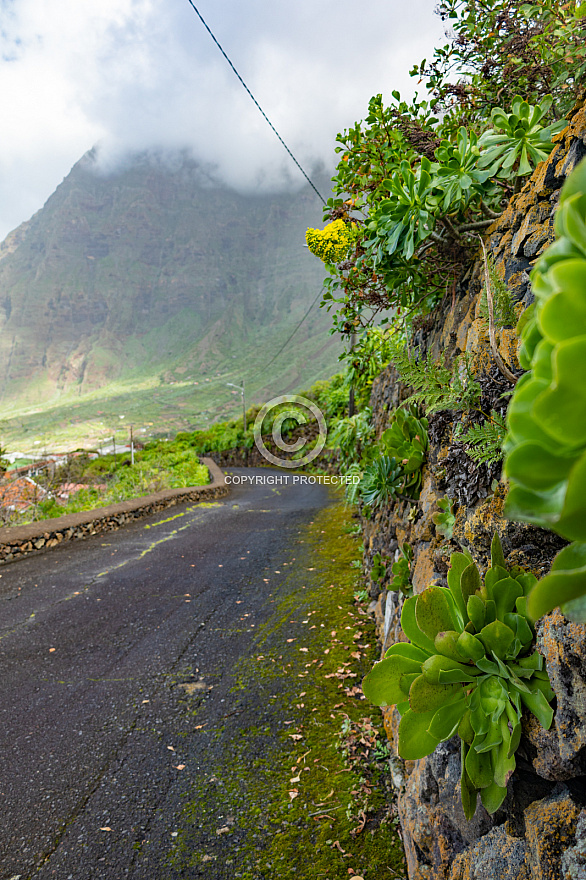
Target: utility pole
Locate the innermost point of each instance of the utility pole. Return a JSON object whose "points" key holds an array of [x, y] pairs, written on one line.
{"points": [[131, 447], [351, 405], [114, 447]]}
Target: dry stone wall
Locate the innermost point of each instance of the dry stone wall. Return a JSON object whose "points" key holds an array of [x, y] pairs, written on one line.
{"points": [[539, 833]]}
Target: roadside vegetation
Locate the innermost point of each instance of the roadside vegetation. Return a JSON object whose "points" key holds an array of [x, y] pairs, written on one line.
{"points": [[331, 396], [85, 482], [418, 184]]}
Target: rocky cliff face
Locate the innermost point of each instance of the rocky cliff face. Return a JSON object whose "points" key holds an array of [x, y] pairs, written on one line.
{"points": [[539, 833], [157, 263]]}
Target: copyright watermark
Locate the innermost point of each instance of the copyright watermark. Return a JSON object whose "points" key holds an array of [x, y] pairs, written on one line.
{"points": [[295, 479], [289, 409]]}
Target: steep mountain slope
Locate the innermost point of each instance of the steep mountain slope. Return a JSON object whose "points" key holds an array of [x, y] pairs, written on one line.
{"points": [[155, 276]]}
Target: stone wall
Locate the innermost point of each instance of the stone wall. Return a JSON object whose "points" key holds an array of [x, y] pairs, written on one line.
{"points": [[37, 537], [540, 831]]}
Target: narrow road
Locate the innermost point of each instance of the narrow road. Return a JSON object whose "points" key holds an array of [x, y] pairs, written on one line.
{"points": [[113, 651]]}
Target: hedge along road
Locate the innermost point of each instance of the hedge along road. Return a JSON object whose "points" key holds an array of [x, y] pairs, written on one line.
{"points": [[116, 680]]}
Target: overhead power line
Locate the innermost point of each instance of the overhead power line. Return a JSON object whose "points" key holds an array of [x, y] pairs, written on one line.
{"points": [[206, 26], [285, 344]]}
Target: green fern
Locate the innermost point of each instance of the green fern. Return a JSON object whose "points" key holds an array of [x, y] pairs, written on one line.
{"points": [[435, 386], [484, 443]]}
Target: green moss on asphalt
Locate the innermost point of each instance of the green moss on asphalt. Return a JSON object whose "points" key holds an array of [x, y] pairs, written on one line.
{"points": [[299, 792]]}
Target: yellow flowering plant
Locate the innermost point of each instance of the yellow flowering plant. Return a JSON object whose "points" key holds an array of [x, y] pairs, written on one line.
{"points": [[333, 243]]}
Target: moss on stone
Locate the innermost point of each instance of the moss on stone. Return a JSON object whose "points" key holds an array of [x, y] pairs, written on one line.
{"points": [[304, 791]]}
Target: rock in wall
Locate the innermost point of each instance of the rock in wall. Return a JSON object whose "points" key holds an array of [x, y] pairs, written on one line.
{"points": [[539, 833]]}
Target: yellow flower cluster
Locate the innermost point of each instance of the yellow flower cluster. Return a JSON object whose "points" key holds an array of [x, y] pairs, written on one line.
{"points": [[332, 243]]}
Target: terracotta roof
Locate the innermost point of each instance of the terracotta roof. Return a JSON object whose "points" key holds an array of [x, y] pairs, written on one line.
{"points": [[20, 493]]}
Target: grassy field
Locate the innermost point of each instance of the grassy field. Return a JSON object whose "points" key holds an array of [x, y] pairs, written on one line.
{"points": [[161, 405]]}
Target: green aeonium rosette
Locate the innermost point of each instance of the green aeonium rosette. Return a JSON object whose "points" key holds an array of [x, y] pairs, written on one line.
{"points": [[468, 669]]}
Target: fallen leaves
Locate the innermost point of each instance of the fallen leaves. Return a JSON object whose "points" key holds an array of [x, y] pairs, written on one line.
{"points": [[361, 823]]}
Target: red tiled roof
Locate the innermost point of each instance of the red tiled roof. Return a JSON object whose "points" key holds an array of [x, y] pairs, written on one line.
{"points": [[20, 493]]}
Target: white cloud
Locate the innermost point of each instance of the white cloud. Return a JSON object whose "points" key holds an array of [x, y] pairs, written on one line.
{"points": [[134, 74]]}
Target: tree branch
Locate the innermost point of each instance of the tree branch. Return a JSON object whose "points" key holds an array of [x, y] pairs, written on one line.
{"points": [[493, 347], [479, 224], [451, 229], [487, 212]]}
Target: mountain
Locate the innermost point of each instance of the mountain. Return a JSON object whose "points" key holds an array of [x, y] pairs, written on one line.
{"points": [[142, 292]]}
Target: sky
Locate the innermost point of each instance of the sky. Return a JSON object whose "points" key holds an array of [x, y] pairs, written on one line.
{"points": [[132, 75]]}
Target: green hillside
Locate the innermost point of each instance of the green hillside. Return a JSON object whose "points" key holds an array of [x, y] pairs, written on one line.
{"points": [[143, 292]]}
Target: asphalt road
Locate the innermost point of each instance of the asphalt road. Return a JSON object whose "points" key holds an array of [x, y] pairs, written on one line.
{"points": [[107, 649]]}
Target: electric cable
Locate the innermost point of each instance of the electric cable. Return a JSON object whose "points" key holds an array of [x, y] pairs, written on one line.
{"points": [[262, 369], [208, 29]]}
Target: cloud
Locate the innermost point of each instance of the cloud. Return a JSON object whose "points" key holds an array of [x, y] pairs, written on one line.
{"points": [[139, 74]]}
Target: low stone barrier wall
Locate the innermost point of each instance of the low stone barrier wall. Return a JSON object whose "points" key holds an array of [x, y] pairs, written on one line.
{"points": [[19, 541]]}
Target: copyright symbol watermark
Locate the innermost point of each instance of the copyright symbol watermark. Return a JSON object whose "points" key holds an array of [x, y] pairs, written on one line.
{"points": [[289, 408]]}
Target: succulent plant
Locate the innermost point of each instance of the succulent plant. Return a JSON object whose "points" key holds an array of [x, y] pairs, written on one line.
{"points": [[404, 219], [545, 449], [396, 471], [468, 669], [444, 519], [458, 177], [401, 569], [518, 140], [406, 441], [379, 568], [381, 482]]}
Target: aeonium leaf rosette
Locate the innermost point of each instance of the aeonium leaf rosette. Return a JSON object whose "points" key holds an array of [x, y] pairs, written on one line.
{"points": [[545, 448], [406, 439], [468, 669]]}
